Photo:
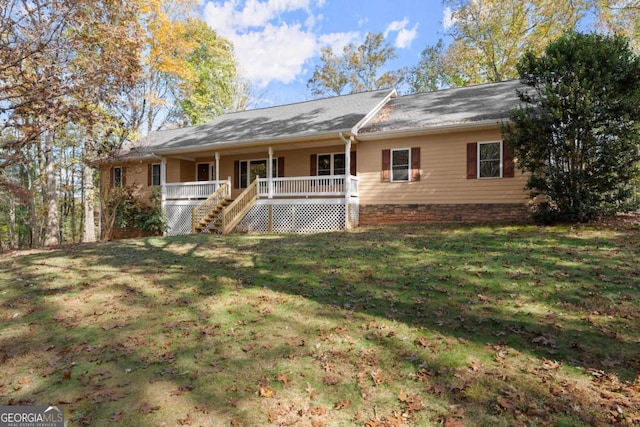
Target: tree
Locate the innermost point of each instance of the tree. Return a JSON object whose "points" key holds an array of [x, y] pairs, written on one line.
{"points": [[430, 72], [189, 72], [578, 129], [211, 88], [620, 17], [358, 69], [489, 37], [61, 62]]}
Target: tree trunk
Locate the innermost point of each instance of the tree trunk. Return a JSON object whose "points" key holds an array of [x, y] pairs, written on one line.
{"points": [[13, 241], [89, 232], [52, 223]]}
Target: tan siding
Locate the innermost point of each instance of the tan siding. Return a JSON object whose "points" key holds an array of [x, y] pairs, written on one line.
{"points": [[173, 171], [443, 173], [187, 171]]}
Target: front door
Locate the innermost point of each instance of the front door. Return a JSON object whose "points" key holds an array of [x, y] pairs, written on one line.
{"points": [[203, 171]]}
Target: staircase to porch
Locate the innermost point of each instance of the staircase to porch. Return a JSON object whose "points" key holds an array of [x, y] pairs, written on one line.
{"points": [[212, 221], [221, 213]]}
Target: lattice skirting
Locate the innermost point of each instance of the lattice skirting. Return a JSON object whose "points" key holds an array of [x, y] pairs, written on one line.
{"points": [[178, 216], [354, 213], [274, 216], [299, 216]]}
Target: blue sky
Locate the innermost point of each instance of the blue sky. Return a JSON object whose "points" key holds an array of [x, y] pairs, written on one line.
{"points": [[277, 42]]}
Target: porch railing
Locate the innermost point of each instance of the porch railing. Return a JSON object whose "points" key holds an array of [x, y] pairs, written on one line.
{"points": [[328, 185], [191, 190]]}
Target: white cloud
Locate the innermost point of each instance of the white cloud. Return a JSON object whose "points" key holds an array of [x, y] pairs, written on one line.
{"points": [[448, 20], [274, 53], [396, 26], [266, 48], [405, 35], [337, 41]]}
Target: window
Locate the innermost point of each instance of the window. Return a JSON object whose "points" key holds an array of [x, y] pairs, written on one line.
{"points": [[116, 176], [331, 164], [489, 160], [250, 169], [155, 174], [400, 164]]}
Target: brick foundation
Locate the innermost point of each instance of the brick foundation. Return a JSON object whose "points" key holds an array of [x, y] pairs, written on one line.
{"points": [[415, 213]]}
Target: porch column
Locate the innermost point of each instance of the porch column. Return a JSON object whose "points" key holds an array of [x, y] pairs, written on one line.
{"points": [[347, 181], [270, 173], [163, 187], [217, 166]]}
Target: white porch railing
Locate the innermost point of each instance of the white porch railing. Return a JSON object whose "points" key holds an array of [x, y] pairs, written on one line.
{"points": [[191, 190], [303, 186], [300, 186]]}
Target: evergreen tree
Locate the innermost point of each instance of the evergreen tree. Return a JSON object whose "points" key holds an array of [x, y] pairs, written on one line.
{"points": [[577, 132]]}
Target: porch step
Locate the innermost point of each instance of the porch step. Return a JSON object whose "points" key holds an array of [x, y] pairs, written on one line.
{"points": [[211, 220]]}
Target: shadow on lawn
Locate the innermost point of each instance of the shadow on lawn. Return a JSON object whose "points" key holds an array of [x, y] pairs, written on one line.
{"points": [[556, 299]]}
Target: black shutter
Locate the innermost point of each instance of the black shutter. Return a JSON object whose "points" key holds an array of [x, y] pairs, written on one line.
{"points": [[385, 175], [415, 164], [472, 160]]}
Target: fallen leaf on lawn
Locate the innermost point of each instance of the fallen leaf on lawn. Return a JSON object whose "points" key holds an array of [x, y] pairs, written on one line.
{"points": [[284, 378], [116, 417], [147, 408], [504, 403], [482, 298], [550, 364], [249, 347], [377, 377], [318, 410], [542, 340], [453, 422], [265, 392], [423, 342], [317, 423], [236, 423], [186, 421], [310, 391], [343, 404], [113, 325]]}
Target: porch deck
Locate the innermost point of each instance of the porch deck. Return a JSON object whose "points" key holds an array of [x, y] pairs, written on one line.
{"points": [[304, 204]]}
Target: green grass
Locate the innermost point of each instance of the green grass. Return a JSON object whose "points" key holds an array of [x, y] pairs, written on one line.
{"points": [[412, 325]]}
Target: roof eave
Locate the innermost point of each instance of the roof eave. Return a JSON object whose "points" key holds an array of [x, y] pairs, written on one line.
{"points": [[250, 143], [432, 130]]}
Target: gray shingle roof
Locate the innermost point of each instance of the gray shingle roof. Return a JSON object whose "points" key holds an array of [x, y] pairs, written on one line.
{"points": [[447, 107], [270, 124]]}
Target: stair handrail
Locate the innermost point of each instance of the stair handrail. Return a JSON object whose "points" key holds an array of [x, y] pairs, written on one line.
{"points": [[200, 211], [233, 214]]}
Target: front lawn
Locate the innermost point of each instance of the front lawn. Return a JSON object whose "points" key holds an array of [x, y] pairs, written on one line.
{"points": [[409, 325]]}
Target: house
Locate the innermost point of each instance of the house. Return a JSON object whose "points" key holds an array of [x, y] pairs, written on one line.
{"points": [[330, 164]]}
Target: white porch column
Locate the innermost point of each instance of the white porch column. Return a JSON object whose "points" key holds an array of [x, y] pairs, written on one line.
{"points": [[347, 181], [270, 173], [217, 166], [163, 187]]}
